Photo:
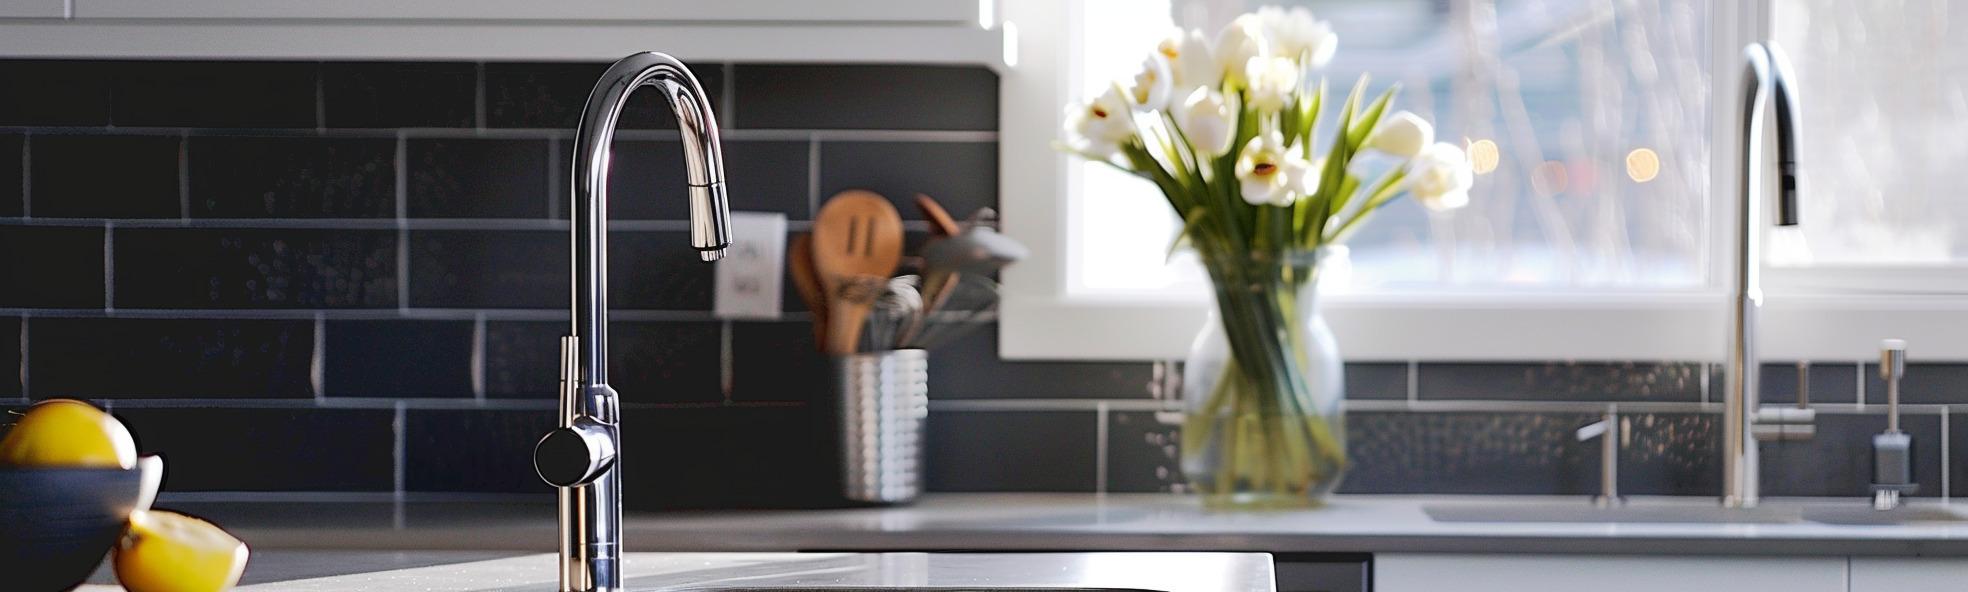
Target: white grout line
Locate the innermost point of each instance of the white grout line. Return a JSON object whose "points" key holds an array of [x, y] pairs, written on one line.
{"points": [[555, 185], [428, 314], [1704, 380], [109, 267], [398, 426], [320, 100], [318, 363], [1100, 451], [833, 135], [26, 391], [372, 223], [27, 176], [478, 357], [728, 113], [1044, 404], [812, 177], [726, 363], [478, 96], [1861, 387], [346, 497], [402, 223], [184, 178], [1414, 380], [541, 403], [1947, 463]]}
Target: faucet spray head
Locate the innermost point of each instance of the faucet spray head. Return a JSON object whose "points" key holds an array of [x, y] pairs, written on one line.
{"points": [[710, 221]]}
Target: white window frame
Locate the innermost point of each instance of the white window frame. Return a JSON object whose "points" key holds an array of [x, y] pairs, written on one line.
{"points": [[1815, 313]]}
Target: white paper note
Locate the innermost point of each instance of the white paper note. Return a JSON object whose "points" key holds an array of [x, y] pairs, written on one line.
{"points": [[749, 275]]}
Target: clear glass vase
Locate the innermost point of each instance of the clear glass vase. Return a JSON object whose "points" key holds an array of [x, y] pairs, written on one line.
{"points": [[1263, 386]]}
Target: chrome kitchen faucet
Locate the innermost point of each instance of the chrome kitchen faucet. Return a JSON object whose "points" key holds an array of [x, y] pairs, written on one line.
{"points": [[581, 457]]}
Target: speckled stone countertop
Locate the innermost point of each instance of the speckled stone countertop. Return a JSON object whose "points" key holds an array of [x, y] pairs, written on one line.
{"points": [[1079, 522], [462, 571]]}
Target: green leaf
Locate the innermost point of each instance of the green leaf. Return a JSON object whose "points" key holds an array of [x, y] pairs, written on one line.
{"points": [[1357, 135]]}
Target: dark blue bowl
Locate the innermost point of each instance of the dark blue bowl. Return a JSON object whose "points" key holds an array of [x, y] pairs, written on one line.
{"points": [[56, 524]]}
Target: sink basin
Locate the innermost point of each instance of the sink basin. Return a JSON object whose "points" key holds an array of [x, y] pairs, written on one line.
{"points": [[1586, 513]]}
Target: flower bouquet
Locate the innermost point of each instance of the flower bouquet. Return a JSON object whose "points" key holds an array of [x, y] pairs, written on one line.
{"points": [[1230, 132]]}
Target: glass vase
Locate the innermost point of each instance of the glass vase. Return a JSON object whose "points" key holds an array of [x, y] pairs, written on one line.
{"points": [[1263, 388]]}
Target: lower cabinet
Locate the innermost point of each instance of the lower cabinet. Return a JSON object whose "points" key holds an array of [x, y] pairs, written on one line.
{"points": [[1907, 574], [1400, 572]]}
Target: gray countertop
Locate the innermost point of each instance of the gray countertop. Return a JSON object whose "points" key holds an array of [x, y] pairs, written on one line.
{"points": [[480, 571], [1069, 522]]}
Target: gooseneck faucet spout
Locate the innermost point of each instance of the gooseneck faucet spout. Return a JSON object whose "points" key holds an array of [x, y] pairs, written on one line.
{"points": [[1766, 79], [581, 456]]}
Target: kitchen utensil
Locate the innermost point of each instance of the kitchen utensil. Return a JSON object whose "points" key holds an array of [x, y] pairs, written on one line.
{"points": [[857, 242], [940, 222], [897, 306], [970, 301], [884, 397], [979, 250], [56, 524], [799, 259]]}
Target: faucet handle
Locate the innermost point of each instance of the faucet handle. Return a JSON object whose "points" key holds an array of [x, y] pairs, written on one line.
{"points": [[575, 455]]}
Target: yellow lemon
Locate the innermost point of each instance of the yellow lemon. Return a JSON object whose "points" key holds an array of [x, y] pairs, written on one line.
{"points": [[68, 433], [171, 552]]}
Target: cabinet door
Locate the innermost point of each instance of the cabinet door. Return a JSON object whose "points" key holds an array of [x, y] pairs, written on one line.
{"points": [[1604, 573], [1902, 574], [33, 8], [919, 11]]}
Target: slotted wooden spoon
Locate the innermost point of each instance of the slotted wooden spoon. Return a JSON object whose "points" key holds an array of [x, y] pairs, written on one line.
{"points": [[799, 257], [857, 242]]}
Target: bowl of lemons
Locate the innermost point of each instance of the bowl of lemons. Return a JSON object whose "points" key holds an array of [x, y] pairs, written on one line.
{"points": [[73, 490]]}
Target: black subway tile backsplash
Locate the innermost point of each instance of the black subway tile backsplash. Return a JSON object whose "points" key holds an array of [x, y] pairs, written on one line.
{"points": [[1670, 454], [475, 450], [255, 268], [1561, 381], [245, 94], [398, 358], [776, 361], [399, 94], [650, 362], [1387, 381], [1838, 460], [1829, 383], [647, 179], [551, 95], [10, 357], [1011, 451], [105, 176], [725, 457], [968, 368], [170, 358], [528, 269], [963, 176], [477, 178], [11, 169], [268, 449], [1144, 454], [51, 267], [292, 177], [1469, 453], [863, 97], [1924, 382], [522, 359], [54, 93]]}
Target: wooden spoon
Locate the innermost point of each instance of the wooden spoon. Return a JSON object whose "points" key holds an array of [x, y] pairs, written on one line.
{"points": [[857, 242], [940, 222], [799, 257]]}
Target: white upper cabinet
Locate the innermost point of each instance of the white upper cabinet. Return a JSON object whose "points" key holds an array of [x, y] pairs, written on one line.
{"points": [[33, 8], [868, 11]]}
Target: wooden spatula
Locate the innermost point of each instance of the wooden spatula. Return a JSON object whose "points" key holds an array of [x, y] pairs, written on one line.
{"points": [[799, 257], [857, 242]]}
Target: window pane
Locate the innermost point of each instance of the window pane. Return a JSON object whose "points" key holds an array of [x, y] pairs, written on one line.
{"points": [[1883, 94], [1589, 120]]}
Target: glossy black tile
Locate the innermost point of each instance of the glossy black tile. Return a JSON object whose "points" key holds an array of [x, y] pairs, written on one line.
{"points": [[51, 267], [650, 362], [397, 358], [1469, 453], [261, 449], [54, 92], [399, 94], [887, 97], [1957, 451], [1830, 382], [725, 457], [551, 95], [1669, 454], [969, 368], [477, 178], [961, 175], [1386, 381], [777, 361], [1838, 461], [171, 358], [104, 176], [528, 269], [1143, 453], [647, 179], [291, 177], [1561, 381], [11, 170], [236, 94], [10, 357], [1924, 382], [255, 268], [1011, 451], [473, 450], [522, 359]]}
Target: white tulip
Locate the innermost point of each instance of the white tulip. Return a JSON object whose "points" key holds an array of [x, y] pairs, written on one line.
{"points": [[1402, 134], [1295, 34], [1440, 177], [1272, 81], [1191, 63], [1304, 175], [1208, 121], [1152, 85], [1237, 43], [1266, 171], [1098, 127]]}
